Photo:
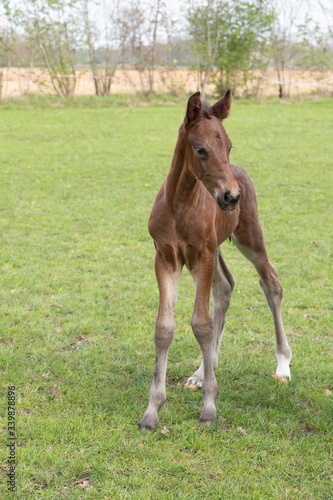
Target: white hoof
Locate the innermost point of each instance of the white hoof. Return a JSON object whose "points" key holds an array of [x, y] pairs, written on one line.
{"points": [[193, 383]]}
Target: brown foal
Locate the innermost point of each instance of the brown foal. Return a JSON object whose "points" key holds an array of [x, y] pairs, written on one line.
{"points": [[203, 201]]}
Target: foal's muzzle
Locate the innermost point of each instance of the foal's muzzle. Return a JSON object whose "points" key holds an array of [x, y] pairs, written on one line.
{"points": [[226, 201]]}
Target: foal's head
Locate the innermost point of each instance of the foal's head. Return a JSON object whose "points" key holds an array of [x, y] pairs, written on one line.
{"points": [[208, 147]]}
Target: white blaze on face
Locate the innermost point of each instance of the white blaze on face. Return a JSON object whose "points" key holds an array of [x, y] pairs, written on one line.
{"points": [[219, 190]]}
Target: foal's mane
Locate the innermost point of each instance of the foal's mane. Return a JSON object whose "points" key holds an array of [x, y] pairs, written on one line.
{"points": [[206, 109]]}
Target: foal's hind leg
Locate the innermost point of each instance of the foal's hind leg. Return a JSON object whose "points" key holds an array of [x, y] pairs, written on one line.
{"points": [[167, 277], [222, 286], [249, 240]]}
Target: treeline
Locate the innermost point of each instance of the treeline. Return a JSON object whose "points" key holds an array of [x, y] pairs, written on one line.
{"points": [[224, 41]]}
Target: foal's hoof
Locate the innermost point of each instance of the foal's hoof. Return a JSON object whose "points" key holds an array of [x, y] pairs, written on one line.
{"points": [[148, 422], [193, 384], [282, 380]]}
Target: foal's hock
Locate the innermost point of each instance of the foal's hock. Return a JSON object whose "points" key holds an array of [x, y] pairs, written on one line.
{"points": [[203, 201]]}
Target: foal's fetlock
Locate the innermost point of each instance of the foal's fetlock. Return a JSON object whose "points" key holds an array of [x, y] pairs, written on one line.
{"points": [[208, 415], [283, 369], [150, 417], [149, 421]]}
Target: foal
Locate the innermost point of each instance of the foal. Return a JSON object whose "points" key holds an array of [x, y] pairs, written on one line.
{"points": [[203, 201]]}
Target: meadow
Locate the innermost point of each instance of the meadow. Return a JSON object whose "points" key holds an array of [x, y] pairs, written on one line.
{"points": [[79, 301]]}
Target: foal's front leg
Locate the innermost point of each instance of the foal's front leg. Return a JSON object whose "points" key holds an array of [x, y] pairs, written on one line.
{"points": [[202, 325], [222, 286], [167, 278]]}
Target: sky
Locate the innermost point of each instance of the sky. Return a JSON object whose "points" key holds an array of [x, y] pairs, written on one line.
{"points": [[176, 10], [309, 7]]}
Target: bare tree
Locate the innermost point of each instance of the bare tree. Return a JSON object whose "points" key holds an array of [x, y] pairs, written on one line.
{"points": [[283, 41], [90, 41], [156, 18], [111, 41], [205, 21], [104, 38], [53, 26], [327, 10], [133, 26], [11, 39], [143, 26], [0, 87]]}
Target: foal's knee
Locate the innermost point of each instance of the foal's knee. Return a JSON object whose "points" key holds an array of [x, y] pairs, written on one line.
{"points": [[202, 329], [164, 331]]}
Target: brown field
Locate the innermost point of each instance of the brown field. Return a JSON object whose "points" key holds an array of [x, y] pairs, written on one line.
{"points": [[21, 82]]}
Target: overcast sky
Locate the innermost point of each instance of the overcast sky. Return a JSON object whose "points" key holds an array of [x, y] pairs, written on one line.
{"points": [[310, 8]]}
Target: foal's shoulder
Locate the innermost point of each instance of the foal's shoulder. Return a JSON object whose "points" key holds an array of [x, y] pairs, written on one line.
{"points": [[160, 220]]}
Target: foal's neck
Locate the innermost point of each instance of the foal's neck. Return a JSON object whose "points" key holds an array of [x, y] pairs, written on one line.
{"points": [[181, 185]]}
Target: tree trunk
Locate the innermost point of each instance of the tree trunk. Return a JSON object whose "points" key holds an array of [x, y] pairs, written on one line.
{"points": [[204, 85], [152, 70], [19, 77], [91, 48], [0, 87], [54, 83]]}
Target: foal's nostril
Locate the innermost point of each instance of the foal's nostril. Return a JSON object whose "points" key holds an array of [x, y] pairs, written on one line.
{"points": [[226, 201], [227, 198]]}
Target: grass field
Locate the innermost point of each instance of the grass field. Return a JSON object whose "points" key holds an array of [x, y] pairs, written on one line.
{"points": [[79, 300]]}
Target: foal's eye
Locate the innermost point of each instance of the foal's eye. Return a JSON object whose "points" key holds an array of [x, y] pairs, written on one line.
{"points": [[202, 152]]}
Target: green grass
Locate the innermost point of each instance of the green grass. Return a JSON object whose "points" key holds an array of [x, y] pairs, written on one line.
{"points": [[79, 300], [46, 101]]}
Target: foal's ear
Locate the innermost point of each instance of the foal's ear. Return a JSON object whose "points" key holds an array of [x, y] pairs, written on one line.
{"points": [[193, 108], [221, 108]]}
